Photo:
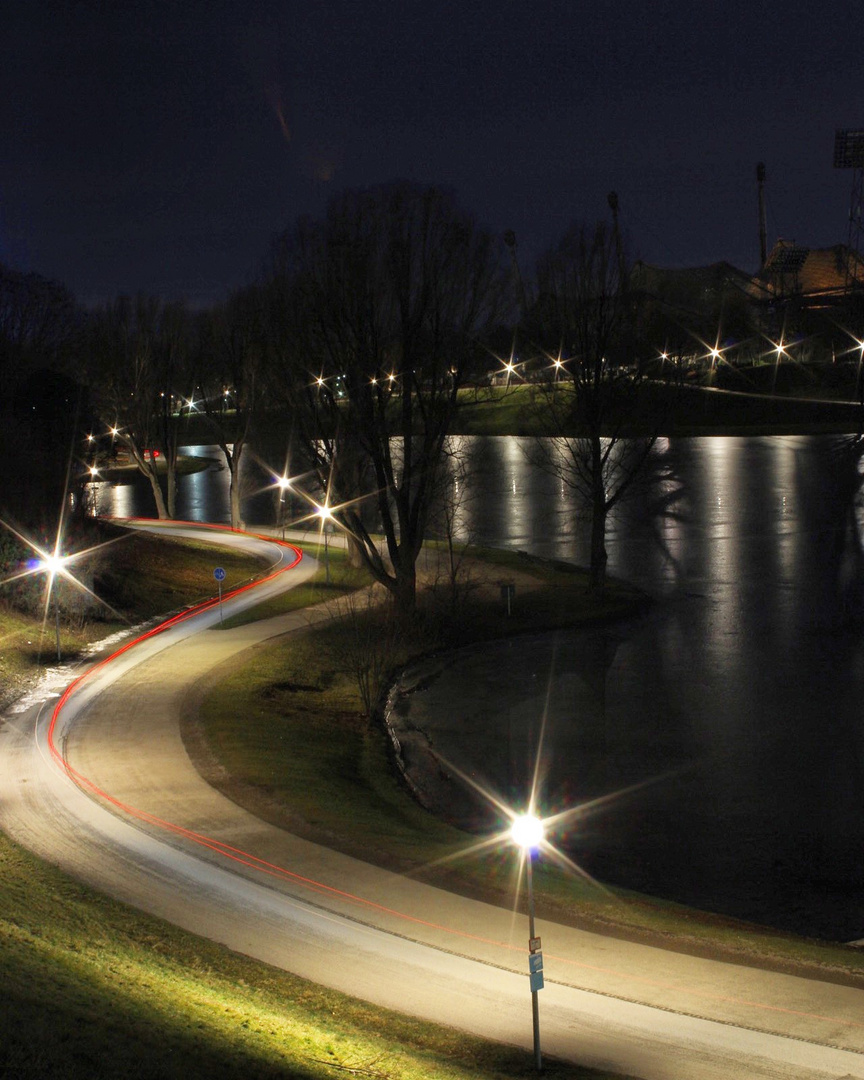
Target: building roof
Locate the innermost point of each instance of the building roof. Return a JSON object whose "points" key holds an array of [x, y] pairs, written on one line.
{"points": [[690, 286], [817, 275]]}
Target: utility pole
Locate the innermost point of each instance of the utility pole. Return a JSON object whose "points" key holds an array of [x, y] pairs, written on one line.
{"points": [[763, 230]]}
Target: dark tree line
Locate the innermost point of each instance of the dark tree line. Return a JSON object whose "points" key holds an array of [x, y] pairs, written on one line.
{"points": [[375, 316], [41, 403], [355, 341]]}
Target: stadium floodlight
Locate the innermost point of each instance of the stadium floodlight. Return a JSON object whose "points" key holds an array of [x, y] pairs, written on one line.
{"points": [[849, 149]]}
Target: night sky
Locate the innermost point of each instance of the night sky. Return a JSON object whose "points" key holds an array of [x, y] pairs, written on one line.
{"points": [[159, 146]]}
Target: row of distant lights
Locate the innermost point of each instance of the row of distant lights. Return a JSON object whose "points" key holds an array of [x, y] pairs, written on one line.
{"points": [[779, 348], [391, 378], [714, 353]]}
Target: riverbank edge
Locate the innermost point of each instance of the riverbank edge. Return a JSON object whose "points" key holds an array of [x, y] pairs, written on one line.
{"points": [[755, 945], [846, 966]]}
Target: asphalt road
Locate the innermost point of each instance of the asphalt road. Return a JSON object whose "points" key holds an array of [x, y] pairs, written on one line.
{"points": [[129, 814]]}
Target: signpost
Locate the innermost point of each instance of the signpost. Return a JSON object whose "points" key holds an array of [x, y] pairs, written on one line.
{"points": [[508, 591], [535, 965], [219, 574]]}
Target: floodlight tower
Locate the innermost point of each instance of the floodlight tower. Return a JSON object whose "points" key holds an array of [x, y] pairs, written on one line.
{"points": [[849, 154], [763, 227]]}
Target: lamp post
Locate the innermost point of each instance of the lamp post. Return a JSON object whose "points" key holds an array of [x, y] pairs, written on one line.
{"points": [[326, 515], [54, 564], [527, 833], [284, 485]]}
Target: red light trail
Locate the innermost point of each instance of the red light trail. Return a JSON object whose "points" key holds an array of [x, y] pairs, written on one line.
{"points": [[247, 859]]}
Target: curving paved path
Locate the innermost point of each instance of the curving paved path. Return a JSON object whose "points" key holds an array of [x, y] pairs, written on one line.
{"points": [[146, 828]]}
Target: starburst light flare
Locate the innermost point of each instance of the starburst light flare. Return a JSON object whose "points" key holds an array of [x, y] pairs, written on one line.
{"points": [[527, 832]]}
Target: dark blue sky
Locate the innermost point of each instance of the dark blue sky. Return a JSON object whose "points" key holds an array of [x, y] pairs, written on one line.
{"points": [[158, 146]]}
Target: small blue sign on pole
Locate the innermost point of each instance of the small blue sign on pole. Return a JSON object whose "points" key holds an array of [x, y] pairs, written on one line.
{"points": [[219, 574], [535, 971]]}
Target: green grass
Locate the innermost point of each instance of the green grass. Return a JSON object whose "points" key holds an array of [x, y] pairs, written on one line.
{"points": [[343, 579], [307, 759], [91, 988], [140, 576], [674, 410]]}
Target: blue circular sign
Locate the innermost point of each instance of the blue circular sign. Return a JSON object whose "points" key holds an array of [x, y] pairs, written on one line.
{"points": [[219, 573]]}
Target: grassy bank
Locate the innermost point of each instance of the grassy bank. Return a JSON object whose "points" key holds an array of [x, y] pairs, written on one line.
{"points": [[766, 399], [325, 587], [745, 405], [92, 989], [307, 759], [137, 575]]}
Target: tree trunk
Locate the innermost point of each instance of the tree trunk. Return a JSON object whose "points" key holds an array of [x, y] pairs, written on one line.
{"points": [[405, 591], [236, 520], [161, 509], [355, 553], [598, 542], [171, 486], [232, 460]]}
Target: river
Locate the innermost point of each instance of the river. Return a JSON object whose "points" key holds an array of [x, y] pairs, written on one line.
{"points": [[738, 696]]}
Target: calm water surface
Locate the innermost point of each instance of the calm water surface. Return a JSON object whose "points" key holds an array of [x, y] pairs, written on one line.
{"points": [[739, 695]]}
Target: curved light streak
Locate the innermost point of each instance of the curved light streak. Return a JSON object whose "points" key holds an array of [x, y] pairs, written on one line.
{"points": [[249, 860]]}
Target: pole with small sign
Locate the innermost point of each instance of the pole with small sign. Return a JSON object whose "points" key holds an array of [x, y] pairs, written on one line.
{"points": [[527, 832], [508, 591], [535, 963], [219, 574]]}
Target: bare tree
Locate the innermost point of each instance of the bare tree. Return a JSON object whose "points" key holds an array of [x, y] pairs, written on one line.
{"points": [[138, 365], [233, 345], [453, 493], [377, 311], [43, 405], [367, 642], [591, 397]]}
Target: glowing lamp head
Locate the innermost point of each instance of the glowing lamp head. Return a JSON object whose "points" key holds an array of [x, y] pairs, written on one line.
{"points": [[52, 563], [325, 513], [283, 482], [527, 832]]}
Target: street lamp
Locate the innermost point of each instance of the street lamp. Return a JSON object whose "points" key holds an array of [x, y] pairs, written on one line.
{"points": [[54, 565], [526, 832], [326, 515], [284, 485]]}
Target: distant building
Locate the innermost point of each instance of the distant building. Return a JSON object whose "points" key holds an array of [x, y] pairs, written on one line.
{"points": [[812, 278], [691, 289]]}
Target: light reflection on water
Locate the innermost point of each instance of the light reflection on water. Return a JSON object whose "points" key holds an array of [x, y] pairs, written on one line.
{"points": [[749, 667]]}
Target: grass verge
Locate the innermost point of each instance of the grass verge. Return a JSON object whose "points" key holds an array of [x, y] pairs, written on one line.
{"points": [[91, 988], [306, 759], [138, 576], [328, 584]]}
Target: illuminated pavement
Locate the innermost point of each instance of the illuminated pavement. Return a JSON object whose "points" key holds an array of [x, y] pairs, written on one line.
{"points": [[221, 872]]}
